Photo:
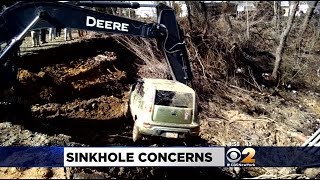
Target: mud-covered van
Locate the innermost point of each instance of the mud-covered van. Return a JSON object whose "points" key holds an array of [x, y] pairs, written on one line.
{"points": [[161, 107]]}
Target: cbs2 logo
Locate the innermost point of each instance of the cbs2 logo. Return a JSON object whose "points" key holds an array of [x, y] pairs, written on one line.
{"points": [[234, 155]]}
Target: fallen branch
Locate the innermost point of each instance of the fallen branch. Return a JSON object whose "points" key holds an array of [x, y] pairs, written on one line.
{"points": [[236, 87]]}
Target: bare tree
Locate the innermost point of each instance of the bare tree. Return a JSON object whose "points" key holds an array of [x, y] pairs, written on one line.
{"points": [[189, 14], [228, 22], [306, 21], [317, 35], [171, 3], [199, 10], [177, 8], [283, 39], [247, 11], [277, 14], [289, 8], [227, 9]]}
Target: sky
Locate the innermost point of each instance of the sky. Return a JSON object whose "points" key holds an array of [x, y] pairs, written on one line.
{"points": [[147, 11]]}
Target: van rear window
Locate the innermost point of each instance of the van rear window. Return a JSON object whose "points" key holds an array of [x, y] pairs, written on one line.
{"points": [[174, 99]]}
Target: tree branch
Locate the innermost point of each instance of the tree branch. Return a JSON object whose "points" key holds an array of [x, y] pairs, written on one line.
{"points": [[283, 40]]}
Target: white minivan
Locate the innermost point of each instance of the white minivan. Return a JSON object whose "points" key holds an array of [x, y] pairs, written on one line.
{"points": [[161, 107]]}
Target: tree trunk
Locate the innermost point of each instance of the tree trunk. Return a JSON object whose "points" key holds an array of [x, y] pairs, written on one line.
{"points": [[198, 11], [120, 10], [172, 3], [189, 14], [306, 21], [283, 40], [317, 34], [275, 12], [205, 12], [276, 16], [227, 20], [114, 10], [315, 39], [248, 30], [289, 8]]}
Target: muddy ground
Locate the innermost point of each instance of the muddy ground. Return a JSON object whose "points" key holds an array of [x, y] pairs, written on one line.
{"points": [[77, 91]]}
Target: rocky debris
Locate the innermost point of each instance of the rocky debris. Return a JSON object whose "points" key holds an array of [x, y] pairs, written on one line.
{"points": [[88, 176], [14, 135], [32, 173], [312, 173]]}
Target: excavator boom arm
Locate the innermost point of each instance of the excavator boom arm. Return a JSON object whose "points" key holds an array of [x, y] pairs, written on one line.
{"points": [[17, 20]]}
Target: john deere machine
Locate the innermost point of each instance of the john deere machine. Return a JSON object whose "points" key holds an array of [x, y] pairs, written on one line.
{"points": [[19, 19]]}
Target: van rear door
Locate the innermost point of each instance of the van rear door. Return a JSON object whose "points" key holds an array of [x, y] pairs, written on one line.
{"points": [[173, 107]]}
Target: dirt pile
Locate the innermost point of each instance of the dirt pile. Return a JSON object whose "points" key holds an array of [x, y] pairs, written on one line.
{"points": [[60, 77], [103, 108], [32, 173]]}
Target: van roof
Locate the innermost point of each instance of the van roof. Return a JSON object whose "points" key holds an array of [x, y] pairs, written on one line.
{"points": [[168, 85]]}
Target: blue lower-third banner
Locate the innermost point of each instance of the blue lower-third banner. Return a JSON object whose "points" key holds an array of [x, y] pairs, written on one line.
{"points": [[13, 156], [159, 156]]}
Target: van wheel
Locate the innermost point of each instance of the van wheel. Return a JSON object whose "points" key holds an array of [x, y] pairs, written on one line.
{"points": [[136, 136]]}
